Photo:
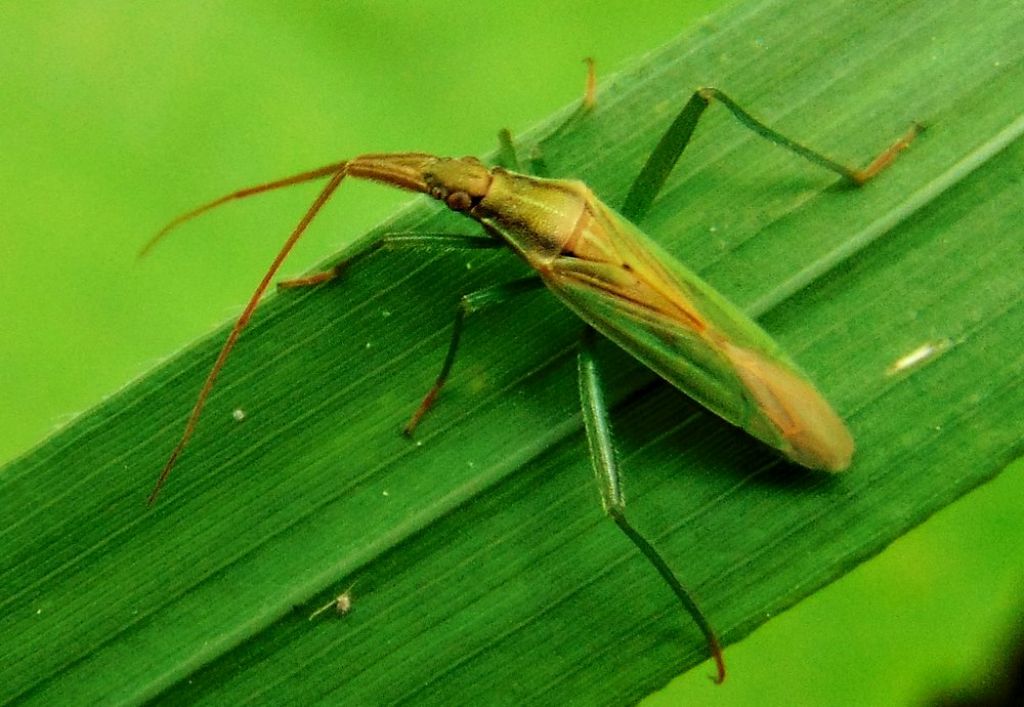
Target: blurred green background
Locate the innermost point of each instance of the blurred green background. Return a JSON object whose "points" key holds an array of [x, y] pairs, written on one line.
{"points": [[115, 116]]}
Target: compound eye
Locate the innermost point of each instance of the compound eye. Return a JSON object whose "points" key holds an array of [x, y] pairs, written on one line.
{"points": [[459, 201]]}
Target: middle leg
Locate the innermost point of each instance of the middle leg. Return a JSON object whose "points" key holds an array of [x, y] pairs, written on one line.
{"points": [[469, 304]]}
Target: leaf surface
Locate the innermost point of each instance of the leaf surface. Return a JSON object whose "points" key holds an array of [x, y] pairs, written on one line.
{"points": [[483, 567]]}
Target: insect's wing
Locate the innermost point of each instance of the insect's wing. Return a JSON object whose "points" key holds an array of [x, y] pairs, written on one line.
{"points": [[623, 284]]}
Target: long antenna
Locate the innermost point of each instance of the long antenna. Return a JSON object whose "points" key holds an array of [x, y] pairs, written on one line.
{"points": [[338, 170], [241, 194]]}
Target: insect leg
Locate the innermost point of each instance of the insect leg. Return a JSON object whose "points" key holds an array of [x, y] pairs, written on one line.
{"points": [[470, 303], [535, 165], [602, 454], [658, 166], [508, 156], [435, 241]]}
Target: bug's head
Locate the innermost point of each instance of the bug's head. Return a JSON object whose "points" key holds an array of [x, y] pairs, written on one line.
{"points": [[459, 182]]}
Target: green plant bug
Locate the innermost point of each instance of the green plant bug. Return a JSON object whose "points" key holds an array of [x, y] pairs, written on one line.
{"points": [[616, 279]]}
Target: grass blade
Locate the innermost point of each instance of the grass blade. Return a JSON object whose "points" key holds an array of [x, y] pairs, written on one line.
{"points": [[482, 562]]}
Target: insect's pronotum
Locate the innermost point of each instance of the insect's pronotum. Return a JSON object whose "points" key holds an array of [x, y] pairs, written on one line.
{"points": [[620, 283]]}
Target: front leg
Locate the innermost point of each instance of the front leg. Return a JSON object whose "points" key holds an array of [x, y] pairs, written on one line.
{"points": [[429, 241]]}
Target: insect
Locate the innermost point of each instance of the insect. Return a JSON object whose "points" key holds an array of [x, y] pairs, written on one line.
{"points": [[342, 604], [620, 283]]}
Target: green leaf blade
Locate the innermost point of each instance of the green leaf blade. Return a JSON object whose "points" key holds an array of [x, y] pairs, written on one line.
{"points": [[483, 567]]}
